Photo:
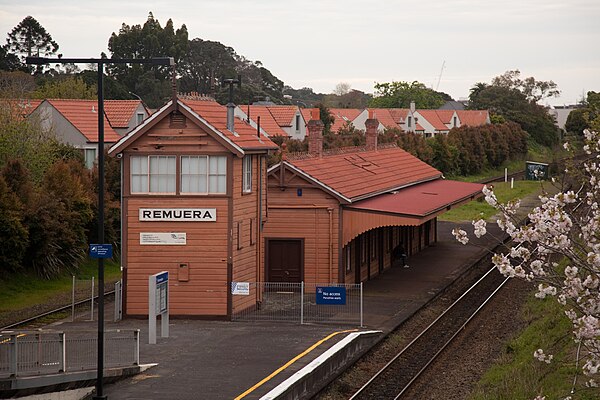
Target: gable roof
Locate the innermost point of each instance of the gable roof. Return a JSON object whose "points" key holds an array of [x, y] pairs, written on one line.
{"points": [[213, 117], [433, 118], [284, 115], [83, 115], [473, 117], [343, 116], [399, 114], [384, 116], [362, 174], [267, 122], [120, 112]]}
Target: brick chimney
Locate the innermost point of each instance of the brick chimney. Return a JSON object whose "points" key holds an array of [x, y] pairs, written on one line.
{"points": [[412, 107], [315, 133], [372, 124]]}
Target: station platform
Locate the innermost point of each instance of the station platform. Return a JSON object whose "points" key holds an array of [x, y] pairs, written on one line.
{"points": [[251, 360]]}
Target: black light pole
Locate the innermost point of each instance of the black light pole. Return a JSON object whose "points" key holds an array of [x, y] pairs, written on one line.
{"points": [[100, 63]]}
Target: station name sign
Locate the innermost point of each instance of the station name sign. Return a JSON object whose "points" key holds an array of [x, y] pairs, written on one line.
{"points": [[178, 214]]}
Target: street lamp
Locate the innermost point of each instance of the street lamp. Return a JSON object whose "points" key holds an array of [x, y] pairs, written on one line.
{"points": [[100, 62]]}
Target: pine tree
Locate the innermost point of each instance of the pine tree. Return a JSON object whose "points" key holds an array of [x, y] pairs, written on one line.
{"points": [[30, 38]]}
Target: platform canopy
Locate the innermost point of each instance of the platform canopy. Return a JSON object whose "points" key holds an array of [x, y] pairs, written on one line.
{"points": [[413, 205]]}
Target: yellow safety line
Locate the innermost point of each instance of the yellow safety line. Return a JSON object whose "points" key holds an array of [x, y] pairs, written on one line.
{"points": [[293, 360]]}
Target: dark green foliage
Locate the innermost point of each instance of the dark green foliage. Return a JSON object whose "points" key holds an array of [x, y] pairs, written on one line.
{"points": [[151, 83], [326, 118], [58, 218], [8, 60], [444, 154], [29, 38], [401, 94], [13, 233], [305, 96], [352, 99], [513, 105], [204, 64]]}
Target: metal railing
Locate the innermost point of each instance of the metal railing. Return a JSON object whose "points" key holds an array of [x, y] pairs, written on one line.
{"points": [[298, 302], [48, 352]]}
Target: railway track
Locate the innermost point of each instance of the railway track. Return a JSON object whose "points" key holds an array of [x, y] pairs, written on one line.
{"points": [[396, 377], [31, 320]]}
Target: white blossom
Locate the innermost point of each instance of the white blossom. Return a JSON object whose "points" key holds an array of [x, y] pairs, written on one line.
{"points": [[460, 235]]}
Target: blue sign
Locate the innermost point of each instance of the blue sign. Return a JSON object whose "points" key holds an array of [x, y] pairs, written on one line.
{"points": [[331, 295], [162, 277], [101, 250]]}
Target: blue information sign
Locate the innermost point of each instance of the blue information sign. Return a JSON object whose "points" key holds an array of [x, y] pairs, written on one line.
{"points": [[162, 277], [101, 250], [331, 295]]}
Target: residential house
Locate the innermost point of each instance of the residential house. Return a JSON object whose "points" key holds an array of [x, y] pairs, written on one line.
{"points": [[75, 122]]}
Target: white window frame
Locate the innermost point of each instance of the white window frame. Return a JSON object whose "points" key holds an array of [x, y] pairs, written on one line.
{"points": [[247, 174], [209, 190], [139, 118], [149, 175]]}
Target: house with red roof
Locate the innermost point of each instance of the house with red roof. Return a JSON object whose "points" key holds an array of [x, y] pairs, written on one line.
{"points": [[337, 217], [276, 120], [194, 204], [75, 122]]}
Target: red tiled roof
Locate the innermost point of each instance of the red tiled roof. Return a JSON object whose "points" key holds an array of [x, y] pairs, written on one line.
{"points": [[473, 117], [20, 108], [399, 114], [83, 115], [267, 122], [434, 119], [306, 113], [216, 115], [368, 172], [119, 112], [384, 116], [445, 115], [422, 199], [284, 115], [343, 116]]}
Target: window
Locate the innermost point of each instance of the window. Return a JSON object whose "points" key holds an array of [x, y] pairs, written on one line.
{"points": [[297, 122], [239, 235], [153, 174], [454, 122], [348, 258], [203, 174], [139, 118], [194, 174], [247, 172], [89, 156], [409, 121]]}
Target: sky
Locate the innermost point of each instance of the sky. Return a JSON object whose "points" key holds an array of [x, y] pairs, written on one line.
{"points": [[449, 45]]}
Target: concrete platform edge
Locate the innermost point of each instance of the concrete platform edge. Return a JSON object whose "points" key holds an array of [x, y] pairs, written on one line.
{"points": [[312, 378]]}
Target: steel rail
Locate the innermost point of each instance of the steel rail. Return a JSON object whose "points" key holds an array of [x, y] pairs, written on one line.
{"points": [[423, 332], [47, 313]]}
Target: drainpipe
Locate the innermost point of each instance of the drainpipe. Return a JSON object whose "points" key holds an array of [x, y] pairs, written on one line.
{"points": [[330, 211]]}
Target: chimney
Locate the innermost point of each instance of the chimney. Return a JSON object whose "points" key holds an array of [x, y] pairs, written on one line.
{"points": [[230, 119], [412, 106], [371, 124], [315, 133]]}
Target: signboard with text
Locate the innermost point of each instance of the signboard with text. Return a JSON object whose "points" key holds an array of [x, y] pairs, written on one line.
{"points": [[163, 238], [101, 250], [331, 295], [178, 214]]}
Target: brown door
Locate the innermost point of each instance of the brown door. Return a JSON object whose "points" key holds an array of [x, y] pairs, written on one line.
{"points": [[285, 260]]}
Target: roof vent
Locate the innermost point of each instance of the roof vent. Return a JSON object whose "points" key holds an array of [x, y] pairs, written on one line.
{"points": [[177, 120]]}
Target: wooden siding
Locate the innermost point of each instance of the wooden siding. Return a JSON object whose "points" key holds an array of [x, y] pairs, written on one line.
{"points": [[246, 227], [205, 293], [312, 216]]}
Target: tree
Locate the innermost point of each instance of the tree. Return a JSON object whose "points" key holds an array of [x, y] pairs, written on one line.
{"points": [[326, 117], [69, 87], [29, 38], [13, 233], [8, 60], [533, 89], [342, 88], [513, 105], [577, 121], [559, 249], [151, 83], [401, 94]]}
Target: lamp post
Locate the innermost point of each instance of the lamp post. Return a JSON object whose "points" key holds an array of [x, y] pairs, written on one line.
{"points": [[100, 62]]}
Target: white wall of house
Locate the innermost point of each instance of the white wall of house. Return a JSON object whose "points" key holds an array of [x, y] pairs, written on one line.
{"points": [[297, 128]]}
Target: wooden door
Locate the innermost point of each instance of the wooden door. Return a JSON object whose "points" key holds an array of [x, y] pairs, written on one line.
{"points": [[285, 260]]}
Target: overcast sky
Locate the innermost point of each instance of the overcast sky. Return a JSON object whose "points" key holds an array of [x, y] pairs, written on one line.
{"points": [[319, 43]]}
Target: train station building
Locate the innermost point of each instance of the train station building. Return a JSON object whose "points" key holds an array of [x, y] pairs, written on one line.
{"points": [[199, 202]]}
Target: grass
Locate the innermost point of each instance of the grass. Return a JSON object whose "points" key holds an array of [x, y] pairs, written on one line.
{"points": [[20, 291], [480, 209], [518, 375]]}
